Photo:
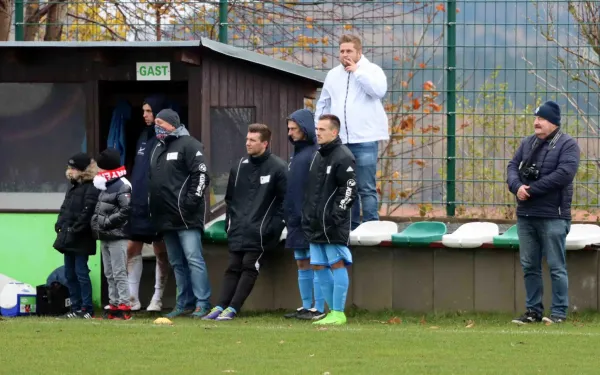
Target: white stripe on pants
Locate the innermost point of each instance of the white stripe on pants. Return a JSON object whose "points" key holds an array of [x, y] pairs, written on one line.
{"points": [[114, 259]]}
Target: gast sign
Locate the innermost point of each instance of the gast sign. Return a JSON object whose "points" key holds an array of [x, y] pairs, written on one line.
{"points": [[153, 71]]}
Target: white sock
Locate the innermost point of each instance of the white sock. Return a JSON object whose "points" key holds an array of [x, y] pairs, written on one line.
{"points": [[134, 275], [160, 282]]}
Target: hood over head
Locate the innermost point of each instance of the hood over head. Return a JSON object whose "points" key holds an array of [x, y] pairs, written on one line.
{"points": [[306, 121], [157, 102]]}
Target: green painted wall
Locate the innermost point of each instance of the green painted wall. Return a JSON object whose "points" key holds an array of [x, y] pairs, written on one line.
{"points": [[27, 255]]}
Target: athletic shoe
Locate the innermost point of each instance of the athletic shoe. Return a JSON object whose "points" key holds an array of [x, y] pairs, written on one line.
{"points": [[213, 314], [69, 315], [200, 312], [135, 304], [227, 314], [530, 316], [178, 312], [155, 306], [124, 312], [311, 314], [82, 314], [333, 318], [295, 314], [553, 320], [112, 313]]}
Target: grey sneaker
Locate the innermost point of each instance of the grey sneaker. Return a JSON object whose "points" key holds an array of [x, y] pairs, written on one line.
{"points": [[553, 320]]}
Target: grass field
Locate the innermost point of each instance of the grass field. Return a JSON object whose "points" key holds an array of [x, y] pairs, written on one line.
{"points": [[384, 343]]}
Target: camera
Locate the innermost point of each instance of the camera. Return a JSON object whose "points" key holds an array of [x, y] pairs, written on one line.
{"points": [[530, 173]]}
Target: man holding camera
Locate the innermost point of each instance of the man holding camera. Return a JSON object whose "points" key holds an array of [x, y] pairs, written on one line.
{"points": [[541, 176]]}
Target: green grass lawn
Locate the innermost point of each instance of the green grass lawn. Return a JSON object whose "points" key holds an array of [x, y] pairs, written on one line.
{"points": [[269, 344]]}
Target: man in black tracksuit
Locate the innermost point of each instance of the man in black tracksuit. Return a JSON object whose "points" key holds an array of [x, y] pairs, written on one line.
{"points": [[326, 215], [178, 179], [254, 218]]}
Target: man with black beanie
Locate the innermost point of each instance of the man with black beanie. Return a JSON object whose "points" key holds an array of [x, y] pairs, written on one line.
{"points": [[178, 179], [141, 228], [541, 176]]}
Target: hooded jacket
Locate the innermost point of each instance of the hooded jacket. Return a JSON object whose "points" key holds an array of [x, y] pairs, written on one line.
{"points": [[356, 99], [73, 229], [140, 223], [178, 179], [298, 177], [111, 215], [551, 194], [330, 194], [254, 197]]}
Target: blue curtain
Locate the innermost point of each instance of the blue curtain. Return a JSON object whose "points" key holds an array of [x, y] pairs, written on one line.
{"points": [[116, 134]]}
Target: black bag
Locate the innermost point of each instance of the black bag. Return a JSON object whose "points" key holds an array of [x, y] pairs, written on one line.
{"points": [[53, 300], [63, 239]]}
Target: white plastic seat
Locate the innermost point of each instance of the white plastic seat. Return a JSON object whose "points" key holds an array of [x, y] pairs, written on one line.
{"points": [[582, 235], [219, 218], [372, 233], [471, 235]]}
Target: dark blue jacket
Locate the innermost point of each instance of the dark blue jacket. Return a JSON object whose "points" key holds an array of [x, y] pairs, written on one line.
{"points": [[140, 224], [552, 193], [297, 178]]}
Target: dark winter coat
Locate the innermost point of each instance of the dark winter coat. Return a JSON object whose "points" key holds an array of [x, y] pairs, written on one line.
{"points": [[330, 194], [73, 228], [140, 223], [255, 193], [552, 193], [112, 211], [178, 180], [298, 177]]}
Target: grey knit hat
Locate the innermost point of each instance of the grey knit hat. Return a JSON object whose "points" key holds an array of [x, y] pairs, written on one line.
{"points": [[169, 116]]}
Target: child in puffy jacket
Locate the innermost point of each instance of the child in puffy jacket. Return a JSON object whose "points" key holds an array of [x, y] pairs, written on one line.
{"points": [[109, 225], [74, 236]]}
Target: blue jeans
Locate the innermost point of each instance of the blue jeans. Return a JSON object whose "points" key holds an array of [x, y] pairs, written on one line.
{"points": [[544, 237], [77, 274], [184, 249], [365, 155]]}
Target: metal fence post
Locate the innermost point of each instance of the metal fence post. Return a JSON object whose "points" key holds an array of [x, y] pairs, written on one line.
{"points": [[19, 24], [451, 108], [223, 21]]}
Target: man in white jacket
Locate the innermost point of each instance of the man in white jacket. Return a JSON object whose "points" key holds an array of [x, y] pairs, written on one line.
{"points": [[353, 91]]}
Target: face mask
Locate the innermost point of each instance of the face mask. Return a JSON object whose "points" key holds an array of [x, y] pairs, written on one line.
{"points": [[160, 132]]}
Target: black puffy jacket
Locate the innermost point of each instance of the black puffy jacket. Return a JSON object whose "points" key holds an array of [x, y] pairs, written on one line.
{"points": [[178, 179], [255, 193], [330, 193], [73, 229], [112, 210]]}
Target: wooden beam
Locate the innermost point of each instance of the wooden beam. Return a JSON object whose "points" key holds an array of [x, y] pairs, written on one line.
{"points": [[187, 56]]}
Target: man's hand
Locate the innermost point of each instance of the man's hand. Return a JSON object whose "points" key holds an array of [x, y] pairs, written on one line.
{"points": [[350, 65], [522, 193]]}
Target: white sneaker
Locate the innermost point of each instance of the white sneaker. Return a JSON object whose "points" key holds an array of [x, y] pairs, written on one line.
{"points": [[155, 305], [135, 304]]}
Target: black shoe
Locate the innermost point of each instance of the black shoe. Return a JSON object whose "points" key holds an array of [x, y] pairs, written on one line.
{"points": [[69, 315], [553, 320], [311, 314], [84, 315], [295, 313], [529, 317]]}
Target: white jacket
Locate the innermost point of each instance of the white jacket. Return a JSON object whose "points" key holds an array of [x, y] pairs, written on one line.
{"points": [[356, 99]]}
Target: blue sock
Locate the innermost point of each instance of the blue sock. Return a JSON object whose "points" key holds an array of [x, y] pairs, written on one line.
{"points": [[319, 300], [340, 288], [305, 284], [232, 309], [326, 281]]}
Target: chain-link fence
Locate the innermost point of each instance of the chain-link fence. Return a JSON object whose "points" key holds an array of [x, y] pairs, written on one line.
{"points": [[464, 77]]}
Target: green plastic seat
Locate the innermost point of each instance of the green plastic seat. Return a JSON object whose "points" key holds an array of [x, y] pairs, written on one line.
{"points": [[216, 232], [510, 238], [420, 234]]}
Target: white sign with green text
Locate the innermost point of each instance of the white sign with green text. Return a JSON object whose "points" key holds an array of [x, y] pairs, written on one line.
{"points": [[153, 71]]}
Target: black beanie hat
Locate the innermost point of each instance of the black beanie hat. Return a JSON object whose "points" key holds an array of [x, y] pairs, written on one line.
{"points": [[170, 116], [109, 159], [549, 111], [79, 161]]}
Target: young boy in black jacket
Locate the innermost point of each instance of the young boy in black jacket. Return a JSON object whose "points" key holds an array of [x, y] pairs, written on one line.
{"points": [[109, 225], [74, 234]]}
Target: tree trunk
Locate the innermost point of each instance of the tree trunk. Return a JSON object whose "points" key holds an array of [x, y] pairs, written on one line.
{"points": [[55, 20], [32, 20], [6, 7]]}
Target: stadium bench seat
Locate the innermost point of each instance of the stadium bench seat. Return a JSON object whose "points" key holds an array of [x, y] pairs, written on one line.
{"points": [[214, 230], [420, 234], [372, 233], [582, 235], [471, 235], [510, 238]]}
